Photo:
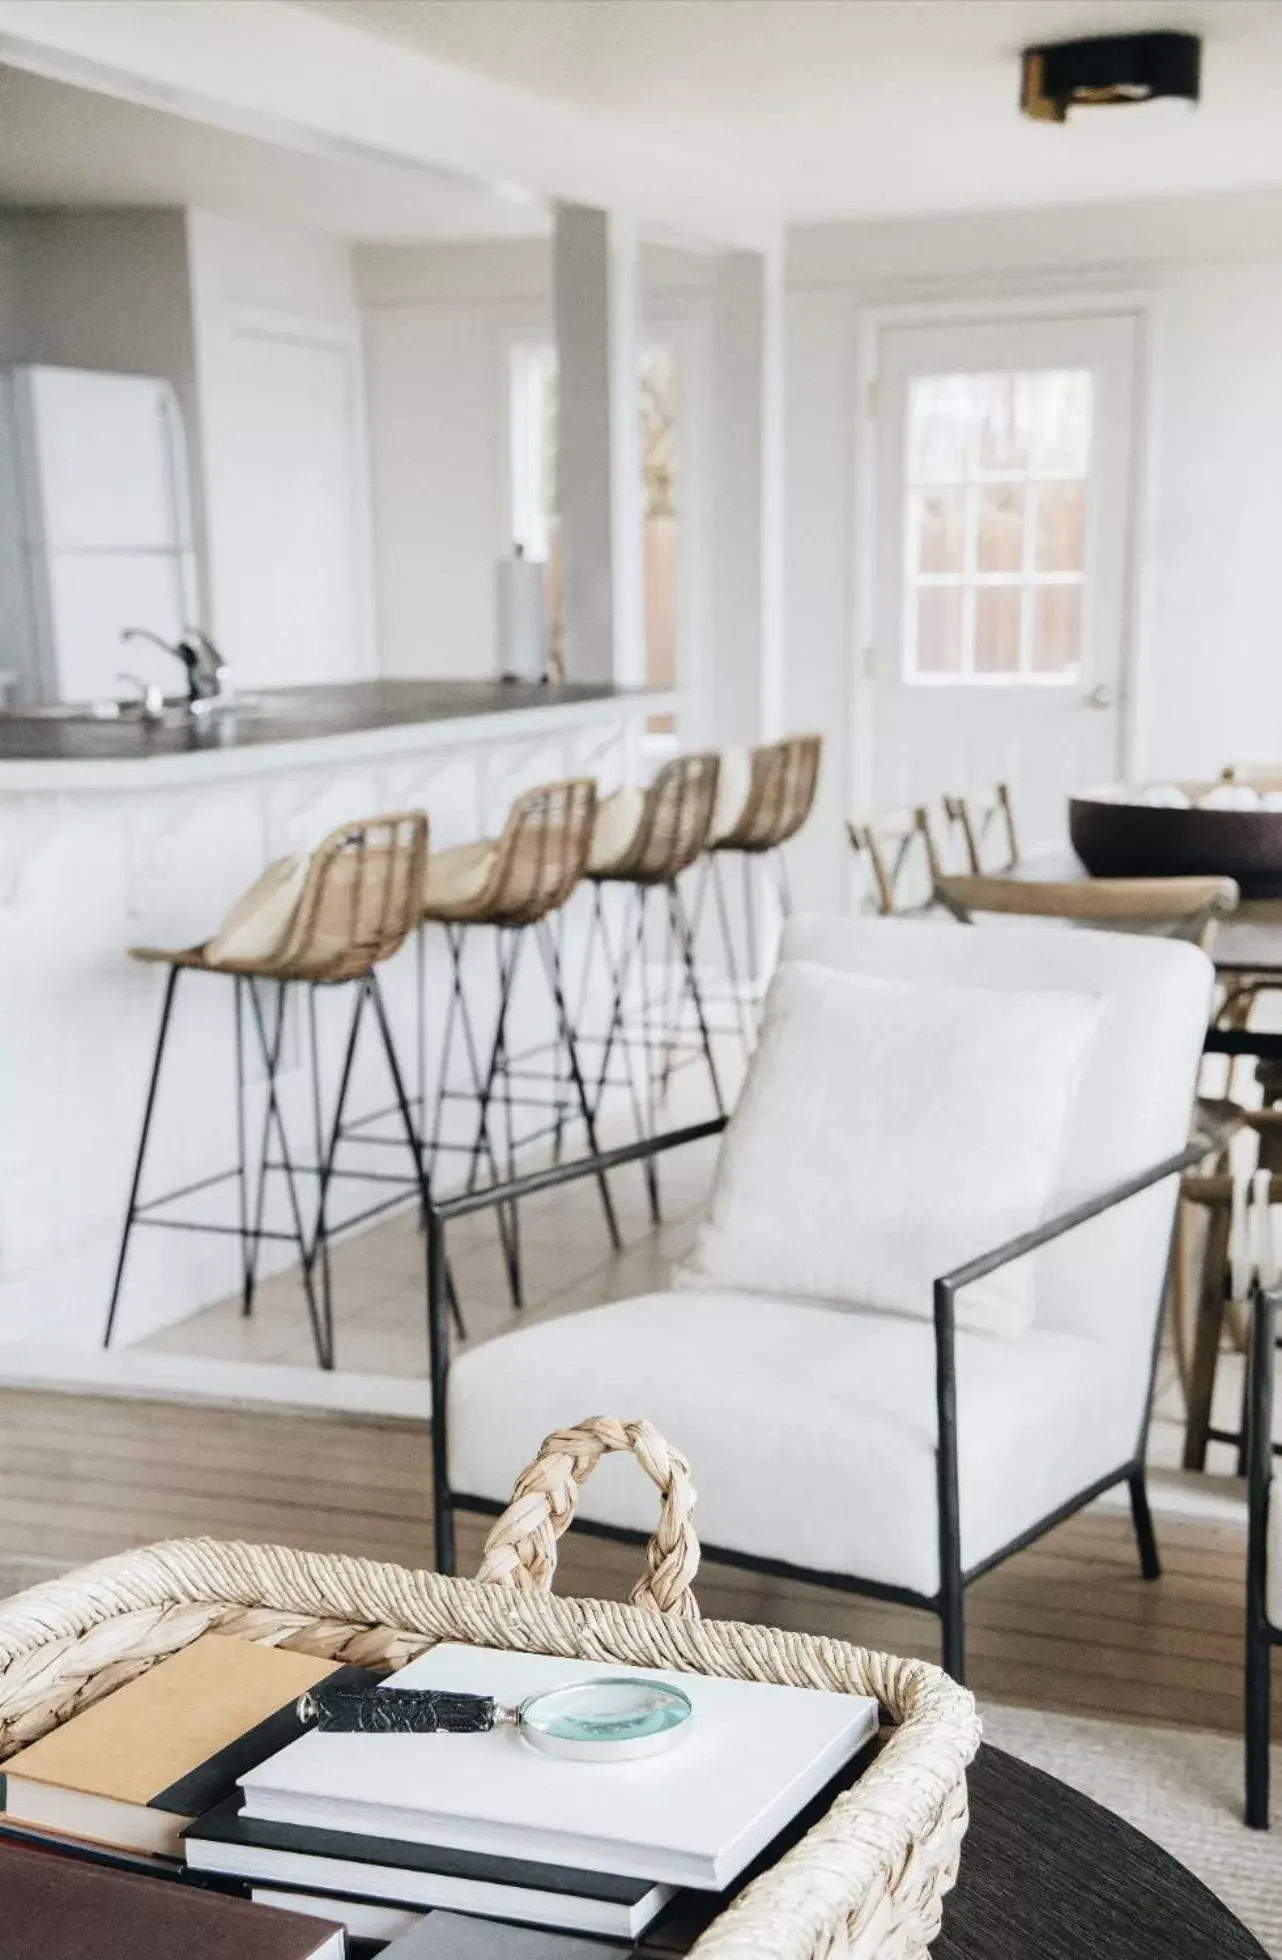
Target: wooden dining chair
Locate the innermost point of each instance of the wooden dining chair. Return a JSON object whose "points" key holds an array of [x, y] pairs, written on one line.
{"points": [[901, 855], [1172, 908], [985, 822]]}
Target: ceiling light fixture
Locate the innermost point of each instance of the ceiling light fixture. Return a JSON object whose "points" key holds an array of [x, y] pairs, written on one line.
{"points": [[1112, 68]]}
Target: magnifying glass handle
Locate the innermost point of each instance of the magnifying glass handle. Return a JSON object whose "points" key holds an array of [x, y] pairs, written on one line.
{"points": [[395, 1711]]}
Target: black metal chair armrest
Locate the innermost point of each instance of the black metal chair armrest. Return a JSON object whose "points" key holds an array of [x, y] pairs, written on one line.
{"points": [[548, 1179]]}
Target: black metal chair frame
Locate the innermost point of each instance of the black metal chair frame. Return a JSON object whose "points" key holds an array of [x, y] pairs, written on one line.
{"points": [[948, 1603], [313, 1249], [1261, 1635]]}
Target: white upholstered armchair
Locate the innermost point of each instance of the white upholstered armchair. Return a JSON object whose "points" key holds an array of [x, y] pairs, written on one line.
{"points": [[928, 1288]]}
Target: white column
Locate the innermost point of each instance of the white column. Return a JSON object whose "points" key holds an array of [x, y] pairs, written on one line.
{"points": [[594, 281], [742, 687]]}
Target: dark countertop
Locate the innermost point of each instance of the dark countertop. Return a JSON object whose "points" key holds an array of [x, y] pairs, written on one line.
{"points": [[272, 716]]}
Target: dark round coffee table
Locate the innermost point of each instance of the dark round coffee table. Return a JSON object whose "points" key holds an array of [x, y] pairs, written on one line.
{"points": [[1048, 1875]]}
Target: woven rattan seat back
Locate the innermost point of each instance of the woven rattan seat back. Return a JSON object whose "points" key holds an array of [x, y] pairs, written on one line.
{"points": [[674, 825], [781, 794], [359, 903], [902, 858], [540, 857], [985, 821]]}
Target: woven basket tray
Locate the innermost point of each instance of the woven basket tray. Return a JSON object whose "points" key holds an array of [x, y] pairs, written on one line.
{"points": [[866, 1883]]}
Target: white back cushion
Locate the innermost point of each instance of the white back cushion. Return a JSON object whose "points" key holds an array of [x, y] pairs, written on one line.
{"points": [[1133, 1105], [257, 925], [887, 1133], [734, 780], [618, 819]]}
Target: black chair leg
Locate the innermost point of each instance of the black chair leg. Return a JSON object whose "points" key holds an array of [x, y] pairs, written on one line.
{"points": [[1259, 1648], [1142, 1518], [952, 1619], [149, 1110]]}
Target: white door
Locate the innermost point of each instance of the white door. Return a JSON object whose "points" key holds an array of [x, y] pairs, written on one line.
{"points": [[1003, 518]]}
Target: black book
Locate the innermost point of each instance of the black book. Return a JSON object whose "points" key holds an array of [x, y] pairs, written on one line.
{"points": [[351, 1865]]}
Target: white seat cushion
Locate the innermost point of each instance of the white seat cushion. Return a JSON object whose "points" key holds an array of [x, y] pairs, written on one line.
{"points": [[614, 831], [458, 876], [810, 1432], [258, 924], [886, 1134]]}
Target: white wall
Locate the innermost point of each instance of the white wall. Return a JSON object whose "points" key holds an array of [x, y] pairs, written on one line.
{"points": [[1208, 677], [282, 409], [440, 323]]}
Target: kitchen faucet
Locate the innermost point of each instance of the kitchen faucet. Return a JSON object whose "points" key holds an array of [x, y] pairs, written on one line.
{"points": [[205, 666]]}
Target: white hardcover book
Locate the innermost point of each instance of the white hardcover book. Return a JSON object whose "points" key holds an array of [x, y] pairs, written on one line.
{"points": [[755, 1754]]}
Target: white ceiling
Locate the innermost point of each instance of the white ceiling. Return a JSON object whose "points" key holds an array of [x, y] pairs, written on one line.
{"points": [[64, 145], [868, 108]]}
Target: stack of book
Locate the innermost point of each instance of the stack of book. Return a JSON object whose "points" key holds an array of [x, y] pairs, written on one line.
{"points": [[200, 1771]]}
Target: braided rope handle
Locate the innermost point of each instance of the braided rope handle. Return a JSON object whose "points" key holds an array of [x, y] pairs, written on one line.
{"points": [[521, 1549]]}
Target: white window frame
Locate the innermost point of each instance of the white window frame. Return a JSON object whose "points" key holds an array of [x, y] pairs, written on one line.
{"points": [[970, 580]]}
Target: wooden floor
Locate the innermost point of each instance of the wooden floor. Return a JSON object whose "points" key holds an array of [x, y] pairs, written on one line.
{"points": [[1067, 1625]]}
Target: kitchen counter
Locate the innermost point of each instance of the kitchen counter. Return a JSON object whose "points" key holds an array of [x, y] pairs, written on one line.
{"points": [[297, 727], [116, 834]]}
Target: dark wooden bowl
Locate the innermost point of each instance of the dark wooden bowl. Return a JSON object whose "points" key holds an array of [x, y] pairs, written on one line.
{"points": [[1134, 840]]}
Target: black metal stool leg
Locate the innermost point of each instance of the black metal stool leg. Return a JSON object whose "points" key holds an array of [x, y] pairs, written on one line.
{"points": [[242, 1166], [322, 1331], [552, 967], [681, 931], [149, 1109], [507, 1227], [619, 972], [413, 1138], [508, 953], [741, 1014], [647, 1051], [271, 1063]]}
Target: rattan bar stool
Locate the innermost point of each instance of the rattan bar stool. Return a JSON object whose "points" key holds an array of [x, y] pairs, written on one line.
{"points": [[642, 842], [515, 885], [358, 899], [782, 778]]}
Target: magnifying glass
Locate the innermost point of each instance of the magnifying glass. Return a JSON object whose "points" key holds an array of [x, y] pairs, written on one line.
{"points": [[613, 1720]]}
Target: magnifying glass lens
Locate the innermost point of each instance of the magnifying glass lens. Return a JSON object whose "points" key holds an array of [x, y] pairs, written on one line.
{"points": [[606, 1719]]}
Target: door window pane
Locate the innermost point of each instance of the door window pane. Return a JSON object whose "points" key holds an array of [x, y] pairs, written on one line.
{"points": [[999, 542], [995, 524], [1057, 629], [1060, 538], [997, 615], [941, 530], [939, 629]]}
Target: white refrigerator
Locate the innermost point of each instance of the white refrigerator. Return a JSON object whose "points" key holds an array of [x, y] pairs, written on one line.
{"points": [[95, 532]]}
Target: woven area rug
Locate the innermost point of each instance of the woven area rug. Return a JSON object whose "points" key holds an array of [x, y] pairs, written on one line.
{"points": [[1181, 1787]]}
